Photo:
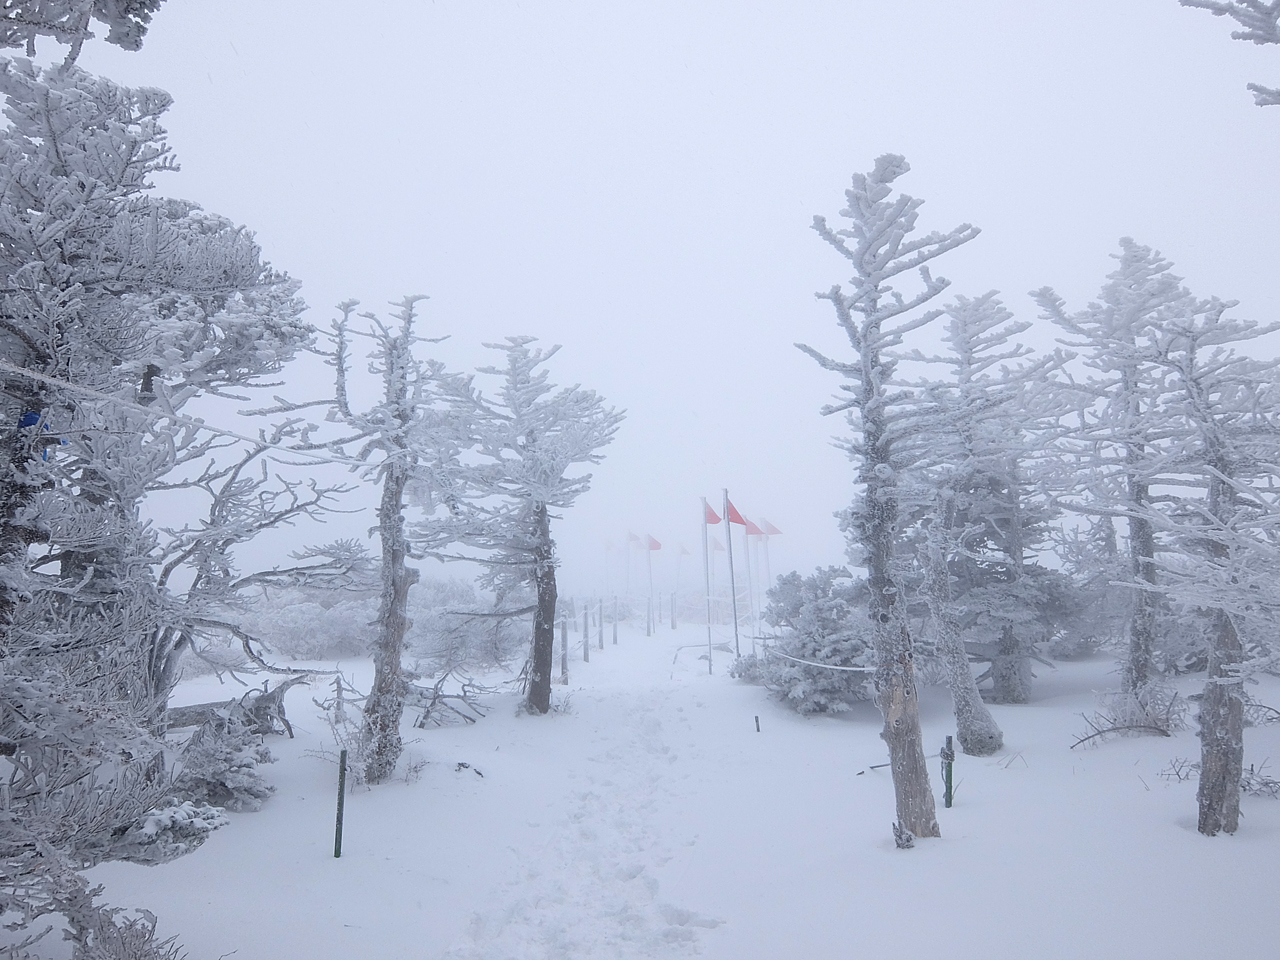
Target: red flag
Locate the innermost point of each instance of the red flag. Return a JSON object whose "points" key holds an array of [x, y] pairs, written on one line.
{"points": [[712, 517], [753, 530], [652, 544], [632, 538], [734, 515], [716, 545], [769, 529]]}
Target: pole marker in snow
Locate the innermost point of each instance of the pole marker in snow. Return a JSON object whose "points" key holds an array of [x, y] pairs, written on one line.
{"points": [[342, 795], [948, 755], [757, 724]]}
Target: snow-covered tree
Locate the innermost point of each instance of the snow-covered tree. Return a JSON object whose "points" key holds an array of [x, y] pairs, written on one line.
{"points": [[524, 440], [138, 302], [1112, 450], [825, 658], [1223, 440], [117, 307], [407, 435], [979, 519], [884, 441], [1261, 23], [70, 22]]}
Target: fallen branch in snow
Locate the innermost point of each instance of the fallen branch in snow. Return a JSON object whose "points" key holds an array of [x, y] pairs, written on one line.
{"points": [[1148, 727], [436, 705], [257, 710]]}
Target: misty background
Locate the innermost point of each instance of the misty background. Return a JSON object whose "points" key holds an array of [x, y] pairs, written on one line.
{"points": [[636, 182]]}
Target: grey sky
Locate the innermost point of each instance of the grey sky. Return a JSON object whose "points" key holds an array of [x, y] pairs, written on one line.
{"points": [[635, 180]]}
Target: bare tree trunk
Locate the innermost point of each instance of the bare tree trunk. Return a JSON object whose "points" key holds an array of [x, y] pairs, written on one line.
{"points": [[538, 698], [385, 704], [976, 729]]}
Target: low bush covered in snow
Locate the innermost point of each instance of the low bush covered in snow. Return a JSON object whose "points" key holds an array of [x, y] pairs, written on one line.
{"points": [[823, 621]]}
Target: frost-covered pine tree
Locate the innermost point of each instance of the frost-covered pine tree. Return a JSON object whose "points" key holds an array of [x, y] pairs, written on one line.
{"points": [[984, 427], [977, 522], [1261, 23], [71, 22], [117, 308], [876, 317], [1111, 451], [1223, 448], [407, 435], [525, 439]]}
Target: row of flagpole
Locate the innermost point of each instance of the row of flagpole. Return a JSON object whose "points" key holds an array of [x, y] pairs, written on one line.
{"points": [[729, 515]]}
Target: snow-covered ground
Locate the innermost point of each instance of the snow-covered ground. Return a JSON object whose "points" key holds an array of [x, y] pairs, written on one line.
{"points": [[648, 818]]}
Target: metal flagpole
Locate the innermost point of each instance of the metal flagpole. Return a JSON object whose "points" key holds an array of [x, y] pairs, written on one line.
{"points": [[676, 591], [706, 573], [751, 596], [733, 589], [648, 556]]}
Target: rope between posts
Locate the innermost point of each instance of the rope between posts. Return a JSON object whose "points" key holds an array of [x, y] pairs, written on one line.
{"points": [[158, 415], [814, 663]]}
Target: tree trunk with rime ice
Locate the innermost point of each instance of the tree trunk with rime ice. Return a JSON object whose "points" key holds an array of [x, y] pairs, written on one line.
{"points": [[976, 729], [542, 657], [385, 704], [1140, 663], [1222, 706], [895, 685], [1221, 733], [875, 317]]}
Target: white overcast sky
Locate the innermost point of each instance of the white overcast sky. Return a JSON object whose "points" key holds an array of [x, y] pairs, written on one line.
{"points": [[636, 181]]}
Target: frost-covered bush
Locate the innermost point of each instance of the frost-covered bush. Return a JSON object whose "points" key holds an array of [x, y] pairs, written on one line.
{"points": [[219, 766], [1181, 642], [823, 620], [307, 624], [448, 628], [169, 831], [452, 630]]}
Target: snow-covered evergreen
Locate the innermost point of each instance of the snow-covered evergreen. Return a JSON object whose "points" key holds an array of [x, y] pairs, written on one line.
{"points": [[884, 439], [523, 440]]}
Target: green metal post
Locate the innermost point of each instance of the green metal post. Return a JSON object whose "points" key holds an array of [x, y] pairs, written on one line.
{"points": [[342, 796], [948, 758]]}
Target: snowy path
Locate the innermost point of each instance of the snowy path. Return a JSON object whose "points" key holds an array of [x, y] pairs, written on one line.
{"points": [[590, 890], [650, 819]]}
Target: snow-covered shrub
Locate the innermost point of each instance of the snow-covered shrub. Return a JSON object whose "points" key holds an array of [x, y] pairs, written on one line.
{"points": [[453, 630], [823, 621], [1182, 641], [307, 624], [1157, 706], [449, 628], [169, 831], [219, 766], [1069, 646]]}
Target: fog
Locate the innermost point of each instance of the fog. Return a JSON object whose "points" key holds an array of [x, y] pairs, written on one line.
{"points": [[636, 182]]}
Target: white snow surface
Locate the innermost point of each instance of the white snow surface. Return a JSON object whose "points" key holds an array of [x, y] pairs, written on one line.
{"points": [[648, 818]]}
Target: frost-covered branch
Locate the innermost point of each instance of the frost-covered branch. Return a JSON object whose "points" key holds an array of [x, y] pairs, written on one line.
{"points": [[1261, 23]]}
